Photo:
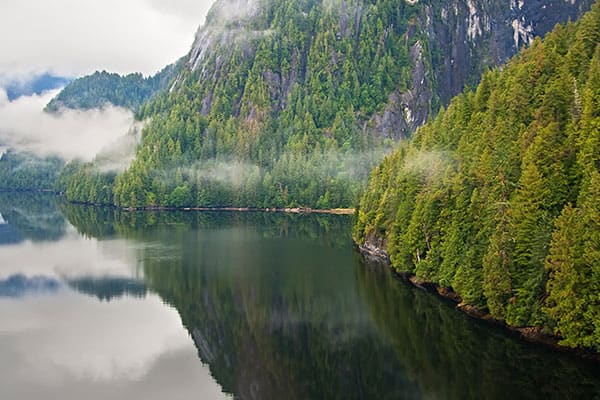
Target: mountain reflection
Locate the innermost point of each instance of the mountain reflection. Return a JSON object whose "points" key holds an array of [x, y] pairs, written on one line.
{"points": [[108, 288], [282, 306], [30, 216], [270, 301], [19, 286]]}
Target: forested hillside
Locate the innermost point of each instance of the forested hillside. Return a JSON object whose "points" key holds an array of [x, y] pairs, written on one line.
{"points": [[292, 102], [101, 88], [498, 198]]}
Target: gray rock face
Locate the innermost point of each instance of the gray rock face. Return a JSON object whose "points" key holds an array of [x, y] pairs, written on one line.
{"points": [[457, 41], [406, 111], [469, 36]]}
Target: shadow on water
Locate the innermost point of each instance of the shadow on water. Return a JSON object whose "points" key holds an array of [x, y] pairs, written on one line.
{"points": [[282, 306], [453, 356]]}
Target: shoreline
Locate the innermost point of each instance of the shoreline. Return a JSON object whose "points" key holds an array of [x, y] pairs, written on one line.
{"points": [[287, 210], [529, 334], [295, 210]]}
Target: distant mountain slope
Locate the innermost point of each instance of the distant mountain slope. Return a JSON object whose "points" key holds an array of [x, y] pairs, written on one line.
{"points": [[101, 88], [35, 85], [498, 198]]}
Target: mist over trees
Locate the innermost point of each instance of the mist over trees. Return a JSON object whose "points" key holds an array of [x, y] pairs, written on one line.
{"points": [[300, 146]]}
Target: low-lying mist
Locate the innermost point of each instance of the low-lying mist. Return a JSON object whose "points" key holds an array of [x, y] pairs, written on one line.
{"points": [[69, 134]]}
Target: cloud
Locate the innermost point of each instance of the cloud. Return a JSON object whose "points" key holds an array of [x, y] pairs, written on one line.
{"points": [[431, 165], [73, 37], [3, 98], [233, 10], [70, 134]]}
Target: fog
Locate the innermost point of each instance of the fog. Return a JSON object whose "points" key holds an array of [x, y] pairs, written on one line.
{"points": [[70, 134], [226, 11], [430, 164]]}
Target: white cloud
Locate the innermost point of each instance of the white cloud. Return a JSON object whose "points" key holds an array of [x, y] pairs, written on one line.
{"points": [[3, 98], [73, 37], [70, 134]]}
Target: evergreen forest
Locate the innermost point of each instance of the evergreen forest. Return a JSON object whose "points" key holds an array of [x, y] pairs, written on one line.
{"points": [[498, 198], [274, 119]]}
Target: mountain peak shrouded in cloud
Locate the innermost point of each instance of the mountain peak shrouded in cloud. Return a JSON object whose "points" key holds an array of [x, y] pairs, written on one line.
{"points": [[102, 88], [67, 38]]}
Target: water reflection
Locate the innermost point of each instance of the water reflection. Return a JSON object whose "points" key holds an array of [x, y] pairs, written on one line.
{"points": [[76, 320], [69, 345], [452, 356], [108, 288], [251, 306], [30, 216]]}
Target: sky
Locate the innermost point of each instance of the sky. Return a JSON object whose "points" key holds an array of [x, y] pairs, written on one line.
{"points": [[76, 37], [73, 38]]}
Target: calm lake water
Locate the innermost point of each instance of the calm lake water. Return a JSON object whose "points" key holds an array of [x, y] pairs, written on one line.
{"points": [[101, 304]]}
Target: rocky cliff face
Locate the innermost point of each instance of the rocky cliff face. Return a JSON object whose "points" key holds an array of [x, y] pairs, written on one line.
{"points": [[469, 36], [451, 44]]}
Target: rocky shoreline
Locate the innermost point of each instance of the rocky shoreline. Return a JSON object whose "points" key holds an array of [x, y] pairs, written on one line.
{"points": [[529, 334]]}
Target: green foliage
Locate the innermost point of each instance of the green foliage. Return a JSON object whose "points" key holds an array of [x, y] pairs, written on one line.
{"points": [[81, 182], [498, 197], [303, 93]]}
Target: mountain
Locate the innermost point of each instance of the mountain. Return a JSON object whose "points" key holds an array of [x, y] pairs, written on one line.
{"points": [[292, 102], [498, 198], [101, 88], [35, 85], [408, 56]]}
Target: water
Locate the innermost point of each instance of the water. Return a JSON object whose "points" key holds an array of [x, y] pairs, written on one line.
{"points": [[97, 303]]}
